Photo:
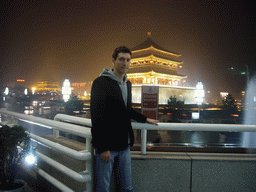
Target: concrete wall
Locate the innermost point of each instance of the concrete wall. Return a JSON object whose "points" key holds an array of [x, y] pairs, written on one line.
{"points": [[161, 172], [196, 172], [223, 172]]}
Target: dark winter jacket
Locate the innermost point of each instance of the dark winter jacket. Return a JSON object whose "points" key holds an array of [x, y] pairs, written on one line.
{"points": [[111, 118]]}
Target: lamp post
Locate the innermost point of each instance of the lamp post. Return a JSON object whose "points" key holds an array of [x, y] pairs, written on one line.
{"points": [[199, 95]]}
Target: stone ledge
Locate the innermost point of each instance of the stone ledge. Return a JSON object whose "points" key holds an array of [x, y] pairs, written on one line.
{"points": [[222, 156], [160, 155]]}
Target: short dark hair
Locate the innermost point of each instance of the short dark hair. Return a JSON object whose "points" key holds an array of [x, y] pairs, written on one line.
{"points": [[121, 49]]}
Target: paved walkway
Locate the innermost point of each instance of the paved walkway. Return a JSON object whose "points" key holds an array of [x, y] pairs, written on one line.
{"points": [[33, 183], [29, 176]]}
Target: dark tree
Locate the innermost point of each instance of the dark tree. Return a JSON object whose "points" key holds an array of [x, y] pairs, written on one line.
{"points": [[229, 107], [229, 104], [174, 107], [73, 104]]}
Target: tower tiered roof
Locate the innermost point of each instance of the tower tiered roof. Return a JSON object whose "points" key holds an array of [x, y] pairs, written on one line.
{"points": [[149, 57], [154, 65], [150, 43]]}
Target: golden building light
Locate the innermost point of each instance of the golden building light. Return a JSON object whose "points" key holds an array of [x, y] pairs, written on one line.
{"points": [[43, 86], [20, 80]]}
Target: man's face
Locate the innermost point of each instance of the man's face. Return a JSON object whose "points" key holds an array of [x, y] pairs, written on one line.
{"points": [[122, 63]]}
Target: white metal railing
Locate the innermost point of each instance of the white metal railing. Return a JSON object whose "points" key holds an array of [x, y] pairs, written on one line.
{"points": [[73, 128], [166, 126], [84, 176]]}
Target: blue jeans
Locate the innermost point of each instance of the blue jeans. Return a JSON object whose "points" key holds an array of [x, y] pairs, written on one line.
{"points": [[103, 171]]}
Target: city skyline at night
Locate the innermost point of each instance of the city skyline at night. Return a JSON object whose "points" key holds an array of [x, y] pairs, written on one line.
{"points": [[55, 40]]}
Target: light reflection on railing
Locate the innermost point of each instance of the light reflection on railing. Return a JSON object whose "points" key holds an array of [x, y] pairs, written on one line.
{"points": [[13, 118]]}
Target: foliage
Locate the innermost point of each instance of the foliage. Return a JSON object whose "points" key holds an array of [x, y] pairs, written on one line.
{"points": [[229, 104], [73, 104], [174, 107], [15, 145], [174, 103]]}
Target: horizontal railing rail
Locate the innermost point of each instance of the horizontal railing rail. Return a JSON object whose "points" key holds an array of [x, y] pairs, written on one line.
{"points": [[73, 119], [55, 125], [79, 155], [166, 126], [82, 131], [80, 177]]}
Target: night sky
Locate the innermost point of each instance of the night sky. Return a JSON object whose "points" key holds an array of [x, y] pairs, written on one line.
{"points": [[54, 40]]}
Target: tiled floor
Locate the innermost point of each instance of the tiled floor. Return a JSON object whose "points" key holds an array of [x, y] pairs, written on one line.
{"points": [[29, 176], [35, 183]]}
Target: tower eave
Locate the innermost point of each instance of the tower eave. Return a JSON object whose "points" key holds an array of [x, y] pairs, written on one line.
{"points": [[149, 43]]}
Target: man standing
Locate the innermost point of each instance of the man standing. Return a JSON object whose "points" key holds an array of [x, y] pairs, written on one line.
{"points": [[111, 114]]}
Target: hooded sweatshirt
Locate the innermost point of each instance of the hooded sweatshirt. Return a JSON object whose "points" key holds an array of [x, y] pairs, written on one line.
{"points": [[107, 106], [122, 84]]}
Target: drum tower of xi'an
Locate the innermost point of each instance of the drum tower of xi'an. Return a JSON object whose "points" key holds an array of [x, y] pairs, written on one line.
{"points": [[153, 65]]}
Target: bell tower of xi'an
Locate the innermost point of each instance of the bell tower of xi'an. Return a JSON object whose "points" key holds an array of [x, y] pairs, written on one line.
{"points": [[153, 65]]}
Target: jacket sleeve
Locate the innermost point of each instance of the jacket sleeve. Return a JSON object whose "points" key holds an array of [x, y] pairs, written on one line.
{"points": [[98, 101], [137, 116]]}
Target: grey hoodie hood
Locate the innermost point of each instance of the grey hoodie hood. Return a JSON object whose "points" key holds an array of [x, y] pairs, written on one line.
{"points": [[123, 85], [109, 73]]}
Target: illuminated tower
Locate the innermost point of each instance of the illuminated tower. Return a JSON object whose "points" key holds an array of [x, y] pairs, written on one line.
{"points": [[153, 65], [66, 90]]}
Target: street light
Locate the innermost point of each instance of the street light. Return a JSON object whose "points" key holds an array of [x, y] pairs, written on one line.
{"points": [[199, 95]]}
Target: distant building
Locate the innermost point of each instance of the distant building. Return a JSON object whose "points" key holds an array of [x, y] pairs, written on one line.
{"points": [[82, 90], [49, 90], [16, 83], [153, 65], [47, 86]]}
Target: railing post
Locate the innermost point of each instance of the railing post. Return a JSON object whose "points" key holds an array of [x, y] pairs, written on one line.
{"points": [[56, 134], [9, 119], [143, 141], [89, 164], [15, 121]]}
